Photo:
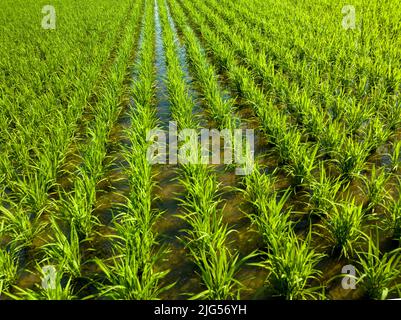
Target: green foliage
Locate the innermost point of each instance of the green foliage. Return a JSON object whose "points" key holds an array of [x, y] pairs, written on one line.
{"points": [[292, 266], [342, 227], [378, 270]]}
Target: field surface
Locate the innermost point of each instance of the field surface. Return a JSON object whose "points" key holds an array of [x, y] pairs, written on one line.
{"points": [[85, 212]]}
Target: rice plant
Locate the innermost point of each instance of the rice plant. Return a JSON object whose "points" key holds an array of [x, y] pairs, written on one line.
{"points": [[342, 227], [129, 273], [8, 269], [323, 192], [272, 218], [218, 268], [59, 288], [64, 250], [293, 266], [378, 270], [77, 207], [21, 226], [375, 187], [257, 185], [303, 162], [351, 158]]}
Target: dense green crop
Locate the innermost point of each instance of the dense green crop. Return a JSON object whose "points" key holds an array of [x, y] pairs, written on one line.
{"points": [[83, 101]]}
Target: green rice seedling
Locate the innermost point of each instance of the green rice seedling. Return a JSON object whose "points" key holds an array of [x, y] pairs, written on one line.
{"points": [[355, 114], [21, 226], [391, 112], [258, 185], [218, 268], [314, 121], [201, 200], [378, 270], [292, 267], [32, 191], [94, 152], [207, 236], [141, 184], [351, 157], [77, 206], [59, 288], [323, 191], [332, 138], [287, 143], [64, 251], [130, 271], [8, 269], [302, 163], [374, 187], [377, 133], [342, 227], [272, 218], [206, 242]]}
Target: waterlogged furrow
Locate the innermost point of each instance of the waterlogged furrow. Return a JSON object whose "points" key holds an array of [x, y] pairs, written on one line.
{"points": [[163, 105], [182, 104]]}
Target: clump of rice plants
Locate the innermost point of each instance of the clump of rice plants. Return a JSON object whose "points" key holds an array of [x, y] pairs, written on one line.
{"points": [[21, 226], [342, 227], [76, 206], [323, 191], [206, 240], [258, 185], [374, 187], [129, 273], [218, 267], [64, 250], [351, 158], [272, 218], [8, 269], [293, 265], [302, 163], [59, 288], [378, 270]]}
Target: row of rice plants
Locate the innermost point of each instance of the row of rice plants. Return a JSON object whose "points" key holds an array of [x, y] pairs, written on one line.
{"points": [[355, 219], [221, 110], [131, 272], [31, 167], [76, 207], [312, 117], [351, 163], [275, 123], [35, 151], [206, 240], [23, 205]]}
